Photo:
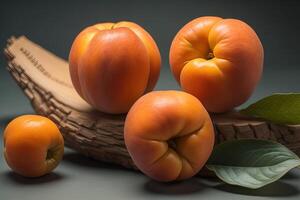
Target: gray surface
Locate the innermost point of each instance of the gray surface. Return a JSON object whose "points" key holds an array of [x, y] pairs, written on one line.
{"points": [[78, 177], [53, 25]]}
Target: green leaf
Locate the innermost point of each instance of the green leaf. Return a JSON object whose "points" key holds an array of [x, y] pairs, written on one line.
{"points": [[281, 108], [251, 163]]}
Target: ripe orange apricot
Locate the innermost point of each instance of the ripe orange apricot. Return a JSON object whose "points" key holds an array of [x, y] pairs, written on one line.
{"points": [[33, 145], [219, 61], [169, 135], [113, 64]]}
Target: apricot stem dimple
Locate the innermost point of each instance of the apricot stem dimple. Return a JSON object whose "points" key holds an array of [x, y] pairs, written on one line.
{"points": [[113, 26], [50, 154], [210, 55], [172, 144]]}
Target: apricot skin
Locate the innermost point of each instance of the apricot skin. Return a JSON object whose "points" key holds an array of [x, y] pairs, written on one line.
{"points": [[220, 61], [33, 145], [169, 135], [113, 64]]}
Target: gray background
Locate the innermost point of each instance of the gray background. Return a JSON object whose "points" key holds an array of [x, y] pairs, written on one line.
{"points": [[54, 25]]}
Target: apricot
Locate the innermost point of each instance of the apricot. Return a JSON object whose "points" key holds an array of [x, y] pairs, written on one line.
{"points": [[33, 145], [113, 64], [219, 61], [169, 135]]}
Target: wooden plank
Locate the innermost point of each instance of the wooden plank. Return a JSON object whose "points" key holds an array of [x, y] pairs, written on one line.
{"points": [[45, 80]]}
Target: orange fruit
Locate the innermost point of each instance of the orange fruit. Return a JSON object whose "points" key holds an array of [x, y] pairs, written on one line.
{"points": [[33, 145]]}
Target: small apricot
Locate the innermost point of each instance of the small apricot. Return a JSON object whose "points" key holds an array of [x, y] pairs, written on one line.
{"points": [[33, 145]]}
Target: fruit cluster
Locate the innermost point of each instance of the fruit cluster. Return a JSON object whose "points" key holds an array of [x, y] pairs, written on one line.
{"points": [[168, 134]]}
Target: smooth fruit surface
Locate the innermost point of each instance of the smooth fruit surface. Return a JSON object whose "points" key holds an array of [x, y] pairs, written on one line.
{"points": [[220, 61], [169, 135], [33, 145], [113, 64]]}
